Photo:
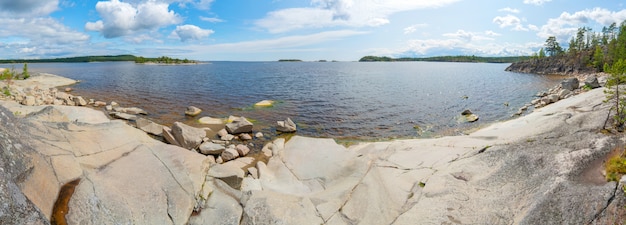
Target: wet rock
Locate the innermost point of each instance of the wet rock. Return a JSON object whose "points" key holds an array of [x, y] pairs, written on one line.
{"points": [[469, 116], [264, 103], [570, 84], [79, 101], [258, 135], [286, 126], [210, 121], [239, 125], [209, 148], [193, 111], [187, 136]]}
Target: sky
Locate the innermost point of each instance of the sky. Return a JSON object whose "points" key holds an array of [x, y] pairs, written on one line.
{"points": [[268, 30]]}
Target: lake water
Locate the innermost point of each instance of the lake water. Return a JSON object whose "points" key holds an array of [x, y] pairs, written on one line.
{"points": [[345, 100]]}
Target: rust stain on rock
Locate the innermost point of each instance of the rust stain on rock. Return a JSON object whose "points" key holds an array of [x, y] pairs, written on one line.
{"points": [[61, 206]]}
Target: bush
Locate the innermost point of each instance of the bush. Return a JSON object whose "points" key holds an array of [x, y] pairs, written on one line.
{"points": [[25, 74]]}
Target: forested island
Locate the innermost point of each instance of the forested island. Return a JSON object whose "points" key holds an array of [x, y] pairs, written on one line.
{"points": [[472, 58], [105, 58], [587, 52]]}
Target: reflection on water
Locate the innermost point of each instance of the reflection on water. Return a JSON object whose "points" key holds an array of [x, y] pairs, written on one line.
{"points": [[343, 100]]}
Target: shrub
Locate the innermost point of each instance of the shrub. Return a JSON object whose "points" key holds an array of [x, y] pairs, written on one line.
{"points": [[25, 74]]}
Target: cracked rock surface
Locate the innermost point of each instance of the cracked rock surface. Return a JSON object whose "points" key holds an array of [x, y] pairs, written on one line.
{"points": [[543, 168]]}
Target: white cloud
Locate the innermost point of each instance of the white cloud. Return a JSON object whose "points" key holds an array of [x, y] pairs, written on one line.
{"points": [[347, 13], [454, 46], [41, 30], [211, 19], [190, 32], [28, 8], [199, 4], [469, 36], [276, 45], [511, 21], [507, 21], [121, 18], [508, 9], [567, 24], [492, 33], [414, 27], [536, 2]]}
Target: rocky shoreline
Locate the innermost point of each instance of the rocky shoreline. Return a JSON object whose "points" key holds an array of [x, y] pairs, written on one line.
{"points": [[540, 168]]}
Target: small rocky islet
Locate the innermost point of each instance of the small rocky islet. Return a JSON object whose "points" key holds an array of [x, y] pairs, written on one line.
{"points": [[540, 168]]}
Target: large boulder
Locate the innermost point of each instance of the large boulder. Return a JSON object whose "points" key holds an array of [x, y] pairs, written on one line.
{"points": [[149, 126], [286, 126], [570, 84], [187, 136], [239, 125], [592, 82]]}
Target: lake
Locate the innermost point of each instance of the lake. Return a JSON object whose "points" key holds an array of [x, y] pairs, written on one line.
{"points": [[344, 100]]}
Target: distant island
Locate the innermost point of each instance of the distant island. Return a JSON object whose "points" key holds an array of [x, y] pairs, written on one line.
{"points": [[290, 60], [105, 58], [472, 58]]}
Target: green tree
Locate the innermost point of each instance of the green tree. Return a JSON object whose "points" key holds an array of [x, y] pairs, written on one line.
{"points": [[598, 58], [552, 46], [617, 76], [542, 53]]}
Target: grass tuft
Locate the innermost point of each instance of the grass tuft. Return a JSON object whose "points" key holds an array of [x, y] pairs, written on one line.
{"points": [[616, 167]]}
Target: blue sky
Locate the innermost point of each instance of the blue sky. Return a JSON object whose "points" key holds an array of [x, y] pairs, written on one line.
{"points": [[267, 30]]}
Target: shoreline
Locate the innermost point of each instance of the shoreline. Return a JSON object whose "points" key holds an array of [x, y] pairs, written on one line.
{"points": [[52, 81], [521, 170]]}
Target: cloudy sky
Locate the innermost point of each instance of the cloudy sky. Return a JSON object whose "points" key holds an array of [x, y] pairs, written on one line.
{"points": [[267, 30]]}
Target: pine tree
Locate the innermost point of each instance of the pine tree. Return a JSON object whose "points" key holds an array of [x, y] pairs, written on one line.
{"points": [[617, 76]]}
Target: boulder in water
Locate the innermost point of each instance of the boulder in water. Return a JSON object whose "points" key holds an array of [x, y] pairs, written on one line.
{"points": [[193, 111], [286, 126]]}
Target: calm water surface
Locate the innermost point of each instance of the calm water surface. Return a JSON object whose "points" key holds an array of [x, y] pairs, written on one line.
{"points": [[348, 100]]}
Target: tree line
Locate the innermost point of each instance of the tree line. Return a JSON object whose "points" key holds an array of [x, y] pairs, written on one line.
{"points": [[589, 49], [462, 58]]}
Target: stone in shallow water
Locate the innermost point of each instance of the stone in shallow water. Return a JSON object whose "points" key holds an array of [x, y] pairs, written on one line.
{"points": [[239, 125], [286, 126], [264, 103], [193, 111], [210, 121]]}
